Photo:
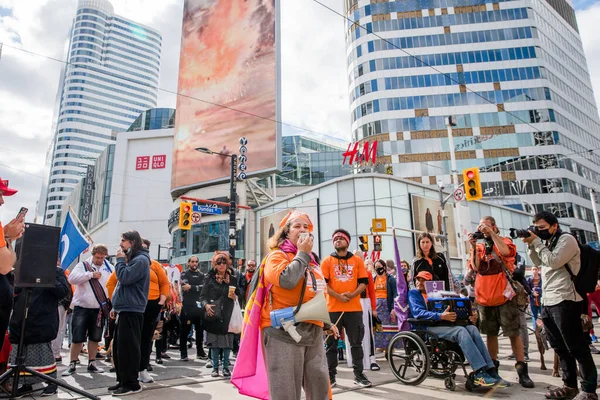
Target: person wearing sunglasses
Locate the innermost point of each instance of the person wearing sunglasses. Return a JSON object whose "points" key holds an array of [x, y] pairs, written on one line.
{"points": [[219, 292]]}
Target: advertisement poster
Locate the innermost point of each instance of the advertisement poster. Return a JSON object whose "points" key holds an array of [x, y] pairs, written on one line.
{"points": [[270, 224], [427, 217], [228, 84]]}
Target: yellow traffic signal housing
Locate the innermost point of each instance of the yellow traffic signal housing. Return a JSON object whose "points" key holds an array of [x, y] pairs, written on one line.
{"points": [[472, 182], [364, 242], [185, 215], [377, 242]]}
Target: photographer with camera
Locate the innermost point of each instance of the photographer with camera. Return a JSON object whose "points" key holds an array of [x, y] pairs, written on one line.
{"points": [[493, 260], [557, 253]]}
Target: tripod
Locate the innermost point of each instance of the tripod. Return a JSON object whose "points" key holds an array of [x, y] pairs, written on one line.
{"points": [[16, 371]]}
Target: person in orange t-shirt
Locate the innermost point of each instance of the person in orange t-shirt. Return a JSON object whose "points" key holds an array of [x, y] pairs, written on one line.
{"points": [[346, 278], [489, 259], [288, 268]]}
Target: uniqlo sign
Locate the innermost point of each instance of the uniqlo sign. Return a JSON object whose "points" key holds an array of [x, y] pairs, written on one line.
{"points": [[142, 162], [159, 161]]}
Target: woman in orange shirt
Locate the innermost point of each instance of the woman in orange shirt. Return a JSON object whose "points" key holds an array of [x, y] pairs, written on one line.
{"points": [[290, 266]]}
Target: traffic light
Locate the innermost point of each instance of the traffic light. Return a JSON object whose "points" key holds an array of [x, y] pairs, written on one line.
{"points": [[364, 242], [472, 184], [185, 216], [377, 242]]}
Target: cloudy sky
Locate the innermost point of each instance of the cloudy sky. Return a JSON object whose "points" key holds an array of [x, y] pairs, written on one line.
{"points": [[314, 78]]}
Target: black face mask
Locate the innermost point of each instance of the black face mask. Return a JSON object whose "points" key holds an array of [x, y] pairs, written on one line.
{"points": [[543, 234], [380, 271]]}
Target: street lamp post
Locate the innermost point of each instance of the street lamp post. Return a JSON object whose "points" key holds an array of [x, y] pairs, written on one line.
{"points": [[232, 199]]}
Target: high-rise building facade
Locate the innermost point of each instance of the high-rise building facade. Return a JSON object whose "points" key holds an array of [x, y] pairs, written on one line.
{"points": [[111, 77], [512, 73]]}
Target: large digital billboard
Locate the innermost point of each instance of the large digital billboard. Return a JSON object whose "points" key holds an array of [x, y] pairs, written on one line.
{"points": [[228, 88]]}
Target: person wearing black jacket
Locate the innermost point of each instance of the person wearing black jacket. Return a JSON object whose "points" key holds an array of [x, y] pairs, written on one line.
{"points": [[41, 328], [219, 293], [430, 260], [192, 281]]}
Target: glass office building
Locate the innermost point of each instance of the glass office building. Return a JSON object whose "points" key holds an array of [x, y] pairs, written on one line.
{"points": [[514, 75], [155, 118], [112, 76]]}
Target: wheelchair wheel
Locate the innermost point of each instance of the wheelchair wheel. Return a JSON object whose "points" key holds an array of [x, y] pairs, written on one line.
{"points": [[450, 383], [409, 362], [444, 364]]}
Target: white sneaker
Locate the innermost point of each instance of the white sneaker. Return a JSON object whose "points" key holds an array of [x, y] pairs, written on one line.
{"points": [[145, 377]]}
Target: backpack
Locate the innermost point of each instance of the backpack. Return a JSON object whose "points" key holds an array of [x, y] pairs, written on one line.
{"points": [[585, 281]]}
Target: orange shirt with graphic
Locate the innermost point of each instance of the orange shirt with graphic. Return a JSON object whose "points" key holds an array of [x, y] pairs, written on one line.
{"points": [[342, 276], [2, 241], [159, 282], [381, 286], [491, 278], [277, 261]]}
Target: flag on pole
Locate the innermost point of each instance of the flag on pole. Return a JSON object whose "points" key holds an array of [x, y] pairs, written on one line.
{"points": [[401, 301], [72, 242]]}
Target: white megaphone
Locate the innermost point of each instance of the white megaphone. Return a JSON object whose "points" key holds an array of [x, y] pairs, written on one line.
{"points": [[313, 310]]}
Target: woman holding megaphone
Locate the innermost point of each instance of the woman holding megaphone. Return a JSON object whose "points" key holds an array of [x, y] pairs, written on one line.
{"points": [[296, 278]]}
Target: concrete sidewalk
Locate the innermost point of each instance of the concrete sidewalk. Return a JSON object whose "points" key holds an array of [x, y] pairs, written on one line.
{"points": [[191, 380]]}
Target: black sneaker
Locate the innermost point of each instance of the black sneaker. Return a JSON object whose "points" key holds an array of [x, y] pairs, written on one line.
{"points": [[114, 387], [71, 370], [362, 381], [226, 372], [150, 369], [165, 356], [92, 368], [122, 391], [332, 381], [184, 358], [159, 361], [23, 390], [50, 390], [215, 373]]}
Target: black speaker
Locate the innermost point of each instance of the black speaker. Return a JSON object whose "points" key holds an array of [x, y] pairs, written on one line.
{"points": [[37, 254]]}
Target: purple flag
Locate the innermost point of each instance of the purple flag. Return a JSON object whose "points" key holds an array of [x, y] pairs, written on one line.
{"points": [[401, 302]]}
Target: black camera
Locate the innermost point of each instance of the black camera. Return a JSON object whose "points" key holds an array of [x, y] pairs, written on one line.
{"points": [[478, 235], [521, 233]]}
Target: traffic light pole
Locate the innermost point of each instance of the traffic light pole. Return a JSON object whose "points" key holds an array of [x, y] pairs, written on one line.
{"points": [[232, 210]]}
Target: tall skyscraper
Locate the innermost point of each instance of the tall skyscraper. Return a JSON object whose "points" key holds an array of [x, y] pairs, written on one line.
{"points": [[513, 73], [111, 77]]}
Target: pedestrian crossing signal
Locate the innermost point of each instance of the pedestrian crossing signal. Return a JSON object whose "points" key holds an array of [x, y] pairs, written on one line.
{"points": [[472, 184], [377, 243], [364, 242], [185, 216]]}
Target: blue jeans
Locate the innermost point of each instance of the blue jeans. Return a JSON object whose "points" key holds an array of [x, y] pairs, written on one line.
{"points": [[535, 312], [215, 355], [470, 342]]}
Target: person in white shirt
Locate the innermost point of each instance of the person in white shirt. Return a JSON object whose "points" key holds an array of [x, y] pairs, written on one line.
{"points": [[88, 322]]}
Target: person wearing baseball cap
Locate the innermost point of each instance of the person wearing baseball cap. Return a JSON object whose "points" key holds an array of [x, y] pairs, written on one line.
{"points": [[468, 337], [12, 231]]}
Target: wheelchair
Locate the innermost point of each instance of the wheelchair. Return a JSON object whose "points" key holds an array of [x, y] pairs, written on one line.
{"points": [[416, 354]]}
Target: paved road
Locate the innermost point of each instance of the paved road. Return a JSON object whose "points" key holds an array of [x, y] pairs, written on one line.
{"points": [[191, 380]]}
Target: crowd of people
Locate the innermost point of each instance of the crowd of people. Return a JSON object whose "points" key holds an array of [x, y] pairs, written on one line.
{"points": [[138, 302]]}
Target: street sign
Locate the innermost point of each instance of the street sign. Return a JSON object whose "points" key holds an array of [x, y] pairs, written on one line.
{"points": [[196, 216], [378, 225], [459, 194], [208, 209]]}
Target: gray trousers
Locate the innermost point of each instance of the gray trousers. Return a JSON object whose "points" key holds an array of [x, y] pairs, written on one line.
{"points": [[523, 332], [291, 368]]}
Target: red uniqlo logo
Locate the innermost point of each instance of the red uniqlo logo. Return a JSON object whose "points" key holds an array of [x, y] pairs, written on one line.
{"points": [[142, 162], [159, 161]]}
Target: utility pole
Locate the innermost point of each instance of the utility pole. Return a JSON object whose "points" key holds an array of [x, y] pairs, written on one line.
{"points": [[232, 209]]}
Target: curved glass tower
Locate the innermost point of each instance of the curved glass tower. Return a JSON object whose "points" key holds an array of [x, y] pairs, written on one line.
{"points": [[112, 77], [514, 75]]}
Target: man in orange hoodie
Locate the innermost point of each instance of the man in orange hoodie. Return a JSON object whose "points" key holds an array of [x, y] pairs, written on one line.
{"points": [[157, 295]]}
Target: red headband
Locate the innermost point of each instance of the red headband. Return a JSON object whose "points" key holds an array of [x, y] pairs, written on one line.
{"points": [[343, 235]]}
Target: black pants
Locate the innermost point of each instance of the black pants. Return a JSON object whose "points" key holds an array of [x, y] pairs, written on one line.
{"points": [[565, 334], [186, 327], [355, 329], [126, 348], [110, 332], [150, 320]]}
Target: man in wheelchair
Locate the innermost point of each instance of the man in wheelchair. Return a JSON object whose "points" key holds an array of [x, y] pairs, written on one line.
{"points": [[467, 337]]}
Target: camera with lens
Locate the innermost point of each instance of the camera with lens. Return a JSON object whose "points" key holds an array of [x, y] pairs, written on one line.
{"points": [[478, 235], [521, 233]]}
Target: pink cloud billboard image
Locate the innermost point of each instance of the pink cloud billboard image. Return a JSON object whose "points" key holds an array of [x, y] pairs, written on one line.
{"points": [[228, 88]]}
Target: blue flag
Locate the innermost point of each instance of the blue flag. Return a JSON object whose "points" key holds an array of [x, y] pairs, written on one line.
{"points": [[72, 242]]}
